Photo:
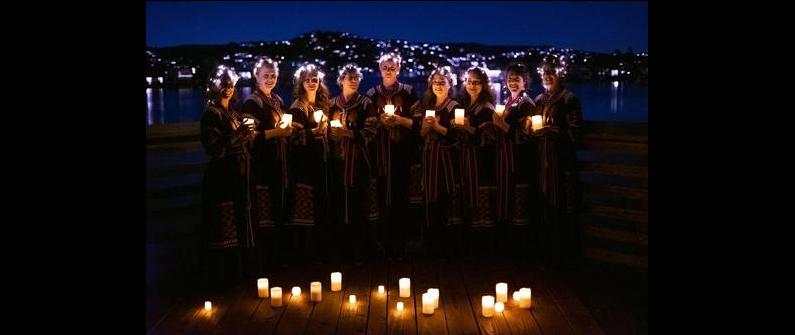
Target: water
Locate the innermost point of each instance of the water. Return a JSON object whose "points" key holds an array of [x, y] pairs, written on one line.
{"points": [[609, 101]]}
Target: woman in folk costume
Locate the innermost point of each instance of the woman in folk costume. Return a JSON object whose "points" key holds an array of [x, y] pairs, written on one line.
{"points": [[226, 220], [440, 168], [559, 136], [395, 150], [352, 129], [307, 160], [269, 158], [517, 165], [478, 157]]}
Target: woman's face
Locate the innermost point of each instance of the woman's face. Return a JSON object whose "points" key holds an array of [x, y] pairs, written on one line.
{"points": [[351, 82], [266, 77], [473, 84], [440, 85], [549, 78], [389, 70], [227, 89], [311, 83], [515, 82]]}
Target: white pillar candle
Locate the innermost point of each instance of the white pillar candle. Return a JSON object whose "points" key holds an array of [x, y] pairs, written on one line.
{"points": [[208, 306], [516, 296], [399, 306], [276, 296], [352, 299], [430, 113], [427, 303], [499, 307], [381, 289], [336, 281], [296, 291], [336, 124], [286, 120], [435, 294], [487, 305], [405, 287], [318, 115], [537, 121], [499, 109], [248, 121], [459, 116], [389, 110], [525, 298], [315, 289], [262, 287], [502, 292]]}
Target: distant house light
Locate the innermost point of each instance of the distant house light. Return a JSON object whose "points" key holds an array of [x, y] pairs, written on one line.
{"points": [[615, 84], [193, 70], [613, 73], [149, 80], [173, 62], [160, 79]]}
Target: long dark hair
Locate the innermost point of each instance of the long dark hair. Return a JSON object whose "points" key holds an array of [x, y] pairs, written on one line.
{"points": [[485, 91], [215, 85], [299, 93], [428, 97]]}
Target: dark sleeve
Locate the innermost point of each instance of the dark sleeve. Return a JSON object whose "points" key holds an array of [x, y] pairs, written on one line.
{"points": [[573, 118], [369, 121], [515, 120], [213, 138]]}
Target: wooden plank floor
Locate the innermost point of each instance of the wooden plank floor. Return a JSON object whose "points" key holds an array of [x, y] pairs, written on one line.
{"points": [[556, 307]]}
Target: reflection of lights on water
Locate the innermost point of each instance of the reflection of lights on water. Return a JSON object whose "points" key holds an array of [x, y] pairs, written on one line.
{"points": [[149, 111], [615, 98], [162, 105]]}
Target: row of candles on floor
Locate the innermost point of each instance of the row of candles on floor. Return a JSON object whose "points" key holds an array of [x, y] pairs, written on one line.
{"points": [[430, 299], [536, 120]]}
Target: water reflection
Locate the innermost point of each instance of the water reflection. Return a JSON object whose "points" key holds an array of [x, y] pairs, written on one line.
{"points": [[149, 109]]}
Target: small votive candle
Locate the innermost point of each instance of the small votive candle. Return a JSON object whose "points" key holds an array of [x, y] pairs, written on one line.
{"points": [[405, 287], [430, 113], [487, 305], [537, 121], [389, 110], [296, 291], [434, 292], [262, 287], [276, 296], [381, 289], [459, 116], [335, 124], [499, 307], [287, 119], [427, 303], [336, 281], [352, 299], [500, 109], [502, 292], [400, 306], [315, 291], [525, 298], [318, 115], [516, 296], [208, 306]]}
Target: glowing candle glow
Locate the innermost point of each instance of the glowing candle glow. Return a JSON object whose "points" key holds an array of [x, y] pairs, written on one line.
{"points": [[380, 289], [405, 287], [318, 115], [516, 296], [276, 296], [352, 299], [336, 281], [434, 292], [400, 306], [525, 298], [427, 303], [538, 122], [500, 109], [336, 124], [487, 306], [499, 307], [296, 291], [287, 119], [248, 121], [389, 110], [502, 292], [459, 116], [430, 113], [315, 289], [262, 287], [208, 306]]}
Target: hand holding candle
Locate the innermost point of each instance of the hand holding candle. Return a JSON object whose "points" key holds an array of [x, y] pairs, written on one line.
{"points": [[459, 116], [318, 115], [537, 122], [389, 110], [336, 124], [499, 110], [287, 119]]}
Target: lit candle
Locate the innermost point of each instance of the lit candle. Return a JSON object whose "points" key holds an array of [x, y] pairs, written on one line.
{"points": [[434, 292], [380, 289], [400, 306], [499, 307], [248, 121], [427, 303], [459, 116], [405, 287], [352, 299], [389, 110], [336, 124], [537, 121], [502, 292], [262, 287], [487, 305], [296, 291], [430, 113], [276, 296], [525, 297], [318, 115], [208, 306], [516, 296], [336, 281], [315, 289], [286, 120], [499, 109]]}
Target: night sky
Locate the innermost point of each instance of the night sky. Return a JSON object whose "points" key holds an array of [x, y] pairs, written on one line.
{"points": [[589, 26]]}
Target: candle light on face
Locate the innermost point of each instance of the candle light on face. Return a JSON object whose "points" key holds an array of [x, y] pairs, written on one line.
{"points": [[502, 292], [434, 292], [318, 115], [262, 287], [352, 299], [459, 116], [487, 305], [516, 296], [538, 122], [405, 287], [287, 119], [399, 306], [525, 298], [430, 113], [315, 289], [276, 296], [389, 110], [499, 307], [500, 109], [296, 291], [380, 289], [336, 281], [427, 303], [336, 124], [208, 306]]}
